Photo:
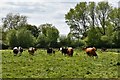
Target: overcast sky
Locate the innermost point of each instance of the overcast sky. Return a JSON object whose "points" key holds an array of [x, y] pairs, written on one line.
{"points": [[43, 11]]}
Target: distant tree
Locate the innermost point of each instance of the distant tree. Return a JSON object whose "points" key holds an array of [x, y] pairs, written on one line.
{"points": [[102, 11], [93, 38], [33, 29], [50, 34], [41, 41], [12, 40], [64, 41], [25, 38], [77, 20], [116, 39], [92, 14], [114, 16], [12, 21]]}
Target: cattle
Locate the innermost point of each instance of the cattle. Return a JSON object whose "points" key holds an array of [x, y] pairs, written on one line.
{"points": [[63, 50], [31, 50], [91, 51], [17, 50], [20, 50], [103, 49], [67, 51], [50, 51]]}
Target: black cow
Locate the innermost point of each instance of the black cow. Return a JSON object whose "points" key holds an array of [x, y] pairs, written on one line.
{"points": [[50, 51]]}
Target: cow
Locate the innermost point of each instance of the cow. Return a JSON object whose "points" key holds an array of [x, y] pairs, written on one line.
{"points": [[31, 50], [103, 49], [91, 51], [70, 51], [50, 51], [63, 50], [20, 50], [17, 50], [67, 51]]}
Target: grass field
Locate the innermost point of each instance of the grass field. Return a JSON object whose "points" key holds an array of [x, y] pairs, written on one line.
{"points": [[42, 65]]}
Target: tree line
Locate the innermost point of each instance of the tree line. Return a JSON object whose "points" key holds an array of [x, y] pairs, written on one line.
{"points": [[98, 24], [90, 24]]}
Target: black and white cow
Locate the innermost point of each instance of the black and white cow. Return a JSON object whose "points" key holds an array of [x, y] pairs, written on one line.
{"points": [[17, 50]]}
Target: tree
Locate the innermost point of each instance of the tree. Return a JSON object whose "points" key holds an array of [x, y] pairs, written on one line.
{"points": [[116, 39], [12, 21], [25, 38], [102, 11], [33, 29], [93, 38], [92, 14], [114, 16], [41, 41], [50, 34], [12, 38], [64, 41], [77, 20]]}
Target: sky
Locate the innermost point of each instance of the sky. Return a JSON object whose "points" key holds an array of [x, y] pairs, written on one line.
{"points": [[44, 11]]}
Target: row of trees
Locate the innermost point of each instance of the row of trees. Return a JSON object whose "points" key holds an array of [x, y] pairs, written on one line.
{"points": [[90, 25], [97, 24], [17, 32]]}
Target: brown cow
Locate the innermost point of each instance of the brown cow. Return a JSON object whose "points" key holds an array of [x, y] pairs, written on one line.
{"points": [[91, 51]]}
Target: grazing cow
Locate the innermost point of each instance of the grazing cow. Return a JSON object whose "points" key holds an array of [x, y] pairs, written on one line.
{"points": [[91, 51], [17, 50], [50, 51], [20, 50], [31, 50], [103, 49], [67, 51], [70, 51], [63, 50]]}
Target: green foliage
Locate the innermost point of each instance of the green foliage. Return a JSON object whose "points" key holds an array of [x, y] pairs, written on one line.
{"points": [[76, 18], [42, 65], [41, 41], [64, 41], [115, 18], [20, 37], [33, 29], [25, 38], [12, 38], [116, 38], [93, 37], [102, 10], [91, 13], [77, 43], [50, 35]]}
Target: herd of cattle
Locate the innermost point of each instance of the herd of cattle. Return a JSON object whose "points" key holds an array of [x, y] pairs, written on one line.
{"points": [[90, 51]]}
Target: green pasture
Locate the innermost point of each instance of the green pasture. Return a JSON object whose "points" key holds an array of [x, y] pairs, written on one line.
{"points": [[42, 65]]}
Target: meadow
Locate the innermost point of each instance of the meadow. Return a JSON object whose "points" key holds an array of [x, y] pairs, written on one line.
{"points": [[42, 65]]}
